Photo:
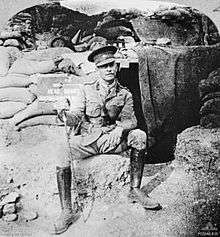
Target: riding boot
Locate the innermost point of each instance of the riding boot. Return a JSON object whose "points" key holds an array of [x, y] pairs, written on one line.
{"points": [[67, 216], [136, 194]]}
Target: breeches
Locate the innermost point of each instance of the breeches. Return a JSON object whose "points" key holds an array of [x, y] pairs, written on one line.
{"points": [[81, 149]]}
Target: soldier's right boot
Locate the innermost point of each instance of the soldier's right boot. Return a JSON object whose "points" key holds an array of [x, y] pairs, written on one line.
{"points": [[67, 216]]}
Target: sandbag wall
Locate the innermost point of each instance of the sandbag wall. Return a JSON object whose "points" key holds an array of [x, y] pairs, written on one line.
{"points": [[14, 95], [18, 87]]}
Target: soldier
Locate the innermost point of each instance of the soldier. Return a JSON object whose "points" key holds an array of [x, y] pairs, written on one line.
{"points": [[104, 109]]}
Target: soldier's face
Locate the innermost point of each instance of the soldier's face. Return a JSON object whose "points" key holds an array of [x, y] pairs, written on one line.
{"points": [[108, 71]]}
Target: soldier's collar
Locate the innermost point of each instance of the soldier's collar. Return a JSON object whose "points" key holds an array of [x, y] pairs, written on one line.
{"points": [[112, 87]]}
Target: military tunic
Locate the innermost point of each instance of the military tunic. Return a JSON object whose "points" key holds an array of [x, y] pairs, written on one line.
{"points": [[98, 114]]}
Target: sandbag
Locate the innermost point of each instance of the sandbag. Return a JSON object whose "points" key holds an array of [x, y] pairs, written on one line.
{"points": [[210, 96], [4, 61], [15, 80], [46, 54], [35, 109], [29, 67], [14, 51], [211, 107], [211, 84], [40, 120], [207, 86], [1, 42], [23, 16], [9, 108], [10, 34], [210, 121], [11, 42], [16, 94]]}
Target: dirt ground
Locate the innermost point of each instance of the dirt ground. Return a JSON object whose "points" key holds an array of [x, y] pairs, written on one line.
{"points": [[28, 167]]}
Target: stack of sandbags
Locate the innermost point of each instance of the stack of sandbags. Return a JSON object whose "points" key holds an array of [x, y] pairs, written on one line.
{"points": [[19, 103], [11, 38], [14, 94], [16, 82], [42, 110], [210, 100], [37, 113], [23, 24], [43, 61], [40, 61], [18, 89], [21, 18], [19, 92]]}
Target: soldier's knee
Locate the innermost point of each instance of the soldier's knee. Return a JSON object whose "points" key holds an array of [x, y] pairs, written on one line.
{"points": [[79, 149], [75, 143], [137, 139]]}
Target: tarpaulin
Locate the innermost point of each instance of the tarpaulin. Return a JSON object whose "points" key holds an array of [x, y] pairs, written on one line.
{"points": [[168, 79]]}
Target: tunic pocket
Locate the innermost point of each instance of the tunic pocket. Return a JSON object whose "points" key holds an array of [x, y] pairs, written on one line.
{"points": [[114, 110]]}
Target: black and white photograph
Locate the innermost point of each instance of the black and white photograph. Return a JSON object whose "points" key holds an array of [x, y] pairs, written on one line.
{"points": [[109, 118]]}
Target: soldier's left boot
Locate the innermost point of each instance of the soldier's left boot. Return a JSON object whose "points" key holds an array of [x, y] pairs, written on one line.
{"points": [[67, 216], [136, 194]]}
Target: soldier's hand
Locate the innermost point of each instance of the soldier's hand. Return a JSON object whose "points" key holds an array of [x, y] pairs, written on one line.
{"points": [[61, 106], [114, 137]]}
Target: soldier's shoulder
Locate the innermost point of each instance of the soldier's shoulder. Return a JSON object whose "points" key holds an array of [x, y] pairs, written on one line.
{"points": [[90, 80], [123, 88]]}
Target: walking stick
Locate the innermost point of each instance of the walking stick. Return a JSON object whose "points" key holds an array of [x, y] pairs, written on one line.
{"points": [[73, 161]]}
